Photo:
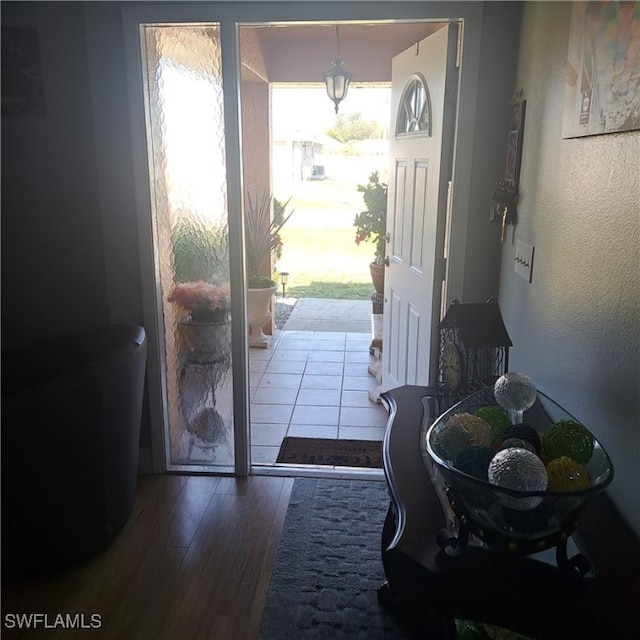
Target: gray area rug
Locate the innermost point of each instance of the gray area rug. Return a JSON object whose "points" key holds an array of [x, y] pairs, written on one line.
{"points": [[328, 568]]}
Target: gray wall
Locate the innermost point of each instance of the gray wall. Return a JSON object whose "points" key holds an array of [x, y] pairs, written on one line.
{"points": [[55, 194], [53, 276], [576, 327], [496, 75]]}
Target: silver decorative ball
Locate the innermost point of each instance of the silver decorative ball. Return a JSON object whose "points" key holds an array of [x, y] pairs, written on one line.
{"points": [[515, 391], [520, 470]]}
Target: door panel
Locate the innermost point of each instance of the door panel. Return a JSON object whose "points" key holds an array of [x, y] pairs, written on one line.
{"points": [[420, 77], [395, 329], [414, 326], [418, 216], [397, 233]]}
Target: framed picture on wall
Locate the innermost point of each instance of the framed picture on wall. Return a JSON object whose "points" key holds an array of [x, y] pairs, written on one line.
{"points": [[514, 143], [602, 86], [22, 85]]}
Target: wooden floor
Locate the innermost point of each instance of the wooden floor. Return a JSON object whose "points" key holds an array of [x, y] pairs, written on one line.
{"points": [[194, 561]]}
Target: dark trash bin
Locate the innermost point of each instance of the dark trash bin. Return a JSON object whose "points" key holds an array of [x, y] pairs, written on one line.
{"points": [[71, 411]]}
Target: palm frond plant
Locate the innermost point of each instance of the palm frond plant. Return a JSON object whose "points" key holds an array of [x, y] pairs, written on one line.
{"points": [[262, 237]]}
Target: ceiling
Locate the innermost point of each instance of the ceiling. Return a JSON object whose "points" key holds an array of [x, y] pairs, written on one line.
{"points": [[301, 53]]}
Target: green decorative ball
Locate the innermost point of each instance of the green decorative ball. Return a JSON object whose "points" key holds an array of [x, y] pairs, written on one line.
{"points": [[565, 474], [474, 461], [497, 419], [568, 438]]}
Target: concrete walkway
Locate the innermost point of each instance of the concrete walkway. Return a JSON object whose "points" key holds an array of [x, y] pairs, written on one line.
{"points": [[320, 314]]}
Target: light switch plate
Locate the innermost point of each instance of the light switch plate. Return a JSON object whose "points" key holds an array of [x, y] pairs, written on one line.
{"points": [[523, 262]]}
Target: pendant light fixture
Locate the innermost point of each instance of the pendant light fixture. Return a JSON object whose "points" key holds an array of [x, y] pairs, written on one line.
{"points": [[337, 79]]}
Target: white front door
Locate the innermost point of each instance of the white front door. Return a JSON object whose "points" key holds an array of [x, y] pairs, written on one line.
{"points": [[424, 80]]}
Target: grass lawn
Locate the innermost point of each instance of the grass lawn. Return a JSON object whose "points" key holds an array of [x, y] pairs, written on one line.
{"points": [[319, 249], [326, 263]]}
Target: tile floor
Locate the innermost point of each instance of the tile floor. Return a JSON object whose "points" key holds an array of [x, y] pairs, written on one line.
{"points": [[312, 384]]}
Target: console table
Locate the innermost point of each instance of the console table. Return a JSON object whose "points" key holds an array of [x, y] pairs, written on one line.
{"points": [[427, 589]]}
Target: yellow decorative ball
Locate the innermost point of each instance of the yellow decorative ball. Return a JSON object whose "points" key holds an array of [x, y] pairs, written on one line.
{"points": [[565, 474]]}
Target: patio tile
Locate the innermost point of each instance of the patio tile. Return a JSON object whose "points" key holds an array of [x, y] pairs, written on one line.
{"points": [[312, 431], [268, 395], [361, 433], [286, 366], [320, 397], [363, 417], [326, 356], [296, 344], [355, 399], [356, 369], [269, 435], [357, 347], [291, 355], [303, 414], [324, 368], [264, 455], [330, 335], [321, 382], [359, 383], [327, 345], [313, 384], [286, 336], [281, 380], [271, 413], [359, 337], [260, 354], [258, 366], [358, 356]]}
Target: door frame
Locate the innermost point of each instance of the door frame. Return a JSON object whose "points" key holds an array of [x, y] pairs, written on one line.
{"points": [[124, 301]]}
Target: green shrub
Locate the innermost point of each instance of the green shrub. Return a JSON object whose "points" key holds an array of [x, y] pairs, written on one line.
{"points": [[200, 252]]}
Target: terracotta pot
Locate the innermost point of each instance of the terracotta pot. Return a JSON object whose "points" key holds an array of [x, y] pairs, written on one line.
{"points": [[377, 275]]}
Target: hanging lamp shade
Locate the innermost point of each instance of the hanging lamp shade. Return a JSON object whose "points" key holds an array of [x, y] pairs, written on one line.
{"points": [[337, 79], [337, 82]]}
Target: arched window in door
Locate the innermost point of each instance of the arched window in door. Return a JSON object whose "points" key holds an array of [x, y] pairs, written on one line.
{"points": [[414, 112]]}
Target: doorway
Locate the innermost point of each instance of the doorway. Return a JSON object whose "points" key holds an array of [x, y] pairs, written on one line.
{"points": [[240, 352], [308, 404]]}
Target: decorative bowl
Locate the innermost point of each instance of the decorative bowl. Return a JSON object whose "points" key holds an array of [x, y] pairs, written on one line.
{"points": [[517, 520]]}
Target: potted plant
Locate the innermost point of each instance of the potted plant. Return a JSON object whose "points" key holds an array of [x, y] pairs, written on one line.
{"points": [[372, 224], [262, 241], [205, 326], [200, 250]]}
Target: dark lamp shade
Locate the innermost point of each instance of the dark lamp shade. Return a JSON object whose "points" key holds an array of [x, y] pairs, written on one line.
{"points": [[337, 82]]}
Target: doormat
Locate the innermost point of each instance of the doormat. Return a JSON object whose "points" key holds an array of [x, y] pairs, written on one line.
{"points": [[327, 451]]}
